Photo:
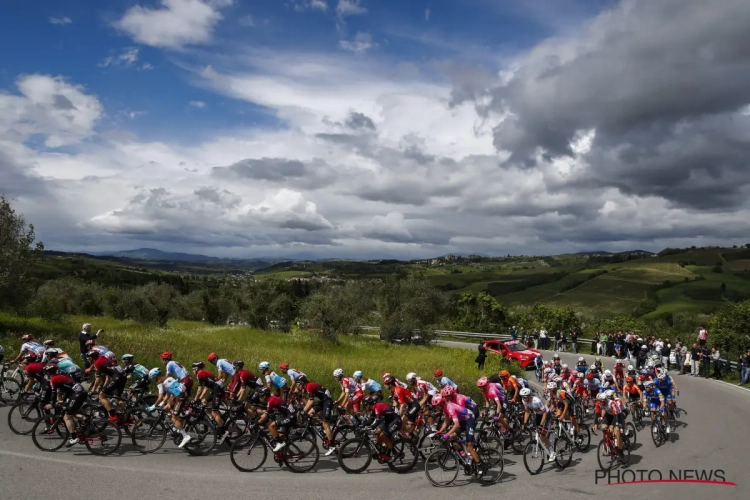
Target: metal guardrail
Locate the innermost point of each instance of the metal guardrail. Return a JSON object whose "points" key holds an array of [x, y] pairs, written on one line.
{"points": [[477, 335]]}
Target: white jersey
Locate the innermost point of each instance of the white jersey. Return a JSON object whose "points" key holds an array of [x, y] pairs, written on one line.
{"points": [[165, 384], [536, 405]]}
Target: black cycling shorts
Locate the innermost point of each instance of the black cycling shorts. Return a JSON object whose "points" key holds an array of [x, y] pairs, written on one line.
{"points": [[412, 411], [217, 394], [538, 422], [141, 385], [115, 387], [390, 425], [610, 419], [74, 404], [286, 422], [377, 396], [45, 393], [324, 408]]}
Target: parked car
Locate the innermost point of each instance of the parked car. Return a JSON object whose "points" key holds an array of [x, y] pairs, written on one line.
{"points": [[513, 350], [415, 339]]}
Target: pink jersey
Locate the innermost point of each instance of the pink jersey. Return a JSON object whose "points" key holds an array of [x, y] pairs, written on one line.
{"points": [[464, 401], [495, 392], [455, 412]]}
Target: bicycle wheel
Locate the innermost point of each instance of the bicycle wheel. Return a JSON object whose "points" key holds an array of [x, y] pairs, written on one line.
{"points": [[494, 462], [355, 455], [248, 453], [604, 455], [202, 437], [441, 467], [10, 390], [657, 433], [520, 439], [49, 436], [301, 454], [427, 444], [103, 437], [405, 456], [533, 457], [563, 452], [583, 438], [22, 417], [149, 434], [631, 433], [580, 413]]}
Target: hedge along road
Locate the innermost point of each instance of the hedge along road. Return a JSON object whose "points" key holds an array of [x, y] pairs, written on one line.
{"points": [[713, 436]]}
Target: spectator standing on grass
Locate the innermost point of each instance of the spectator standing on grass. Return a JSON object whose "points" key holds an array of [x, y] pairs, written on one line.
{"points": [[695, 358], [595, 343], [716, 358], [702, 336], [603, 340], [557, 340], [84, 337], [482, 355], [574, 341], [744, 366]]}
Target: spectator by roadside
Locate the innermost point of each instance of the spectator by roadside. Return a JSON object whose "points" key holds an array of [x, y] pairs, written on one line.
{"points": [[513, 333], [744, 365], [695, 359], [665, 352], [682, 363], [482, 355], [564, 345], [557, 338], [716, 357], [84, 337], [543, 339], [702, 336], [595, 344], [706, 362], [574, 341]]}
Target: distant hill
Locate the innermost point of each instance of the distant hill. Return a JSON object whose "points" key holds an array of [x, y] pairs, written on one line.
{"points": [[154, 254], [626, 252]]}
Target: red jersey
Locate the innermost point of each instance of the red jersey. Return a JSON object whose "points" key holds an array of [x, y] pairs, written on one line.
{"points": [[207, 379], [400, 395], [108, 367], [382, 409], [35, 370], [66, 385]]}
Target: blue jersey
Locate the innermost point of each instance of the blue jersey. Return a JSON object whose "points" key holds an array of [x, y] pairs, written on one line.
{"points": [[445, 381], [665, 386], [176, 370], [225, 366], [654, 395], [592, 385], [275, 381], [370, 386]]}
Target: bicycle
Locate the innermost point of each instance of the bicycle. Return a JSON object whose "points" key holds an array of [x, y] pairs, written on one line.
{"points": [[10, 388], [659, 431], [201, 428], [340, 430], [449, 460], [607, 449], [50, 434], [582, 440], [535, 450], [257, 441], [362, 446], [25, 413]]}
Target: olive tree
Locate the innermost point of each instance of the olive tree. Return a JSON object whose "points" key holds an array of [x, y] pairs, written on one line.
{"points": [[17, 255]]}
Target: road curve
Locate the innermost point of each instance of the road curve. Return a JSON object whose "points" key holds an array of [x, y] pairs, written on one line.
{"points": [[713, 436]]}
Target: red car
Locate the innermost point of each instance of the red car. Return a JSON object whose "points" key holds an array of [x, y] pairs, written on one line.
{"points": [[513, 350]]}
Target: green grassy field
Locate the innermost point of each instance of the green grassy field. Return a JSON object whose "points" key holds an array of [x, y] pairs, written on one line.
{"points": [[284, 275], [193, 341]]}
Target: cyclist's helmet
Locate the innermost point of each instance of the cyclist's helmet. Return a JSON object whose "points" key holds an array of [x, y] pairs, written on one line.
{"points": [[239, 364], [556, 356], [438, 373], [650, 364], [609, 394], [565, 366], [557, 379], [26, 338], [264, 392], [525, 392], [437, 400], [357, 375], [592, 367], [607, 373], [605, 385], [199, 365], [368, 401], [581, 358], [662, 375], [154, 372], [213, 357], [126, 357], [580, 375], [648, 383], [644, 347], [284, 366], [50, 353], [631, 368], [411, 377], [551, 385], [597, 359], [482, 382], [90, 343], [48, 343], [548, 371], [447, 391], [166, 356], [50, 369], [264, 365], [388, 379], [385, 374], [601, 396], [338, 373], [504, 374], [590, 376], [93, 354]]}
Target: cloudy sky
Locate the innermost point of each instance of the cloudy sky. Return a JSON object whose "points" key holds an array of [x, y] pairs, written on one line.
{"points": [[377, 128]]}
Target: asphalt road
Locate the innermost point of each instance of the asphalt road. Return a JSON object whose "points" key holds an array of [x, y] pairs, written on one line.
{"points": [[713, 435]]}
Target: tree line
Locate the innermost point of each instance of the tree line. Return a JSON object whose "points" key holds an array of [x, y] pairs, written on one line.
{"points": [[402, 304]]}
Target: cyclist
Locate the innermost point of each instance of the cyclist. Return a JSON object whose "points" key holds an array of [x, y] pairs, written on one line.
{"points": [[225, 367], [632, 372], [388, 422], [369, 385], [494, 393], [609, 378], [179, 391], [49, 352], [29, 347], [320, 402], [395, 380], [581, 365], [408, 406], [565, 372], [556, 364], [449, 394], [285, 417], [34, 371], [114, 380], [655, 401], [351, 393], [241, 380], [442, 381], [510, 384], [208, 381], [539, 362], [162, 388], [533, 404], [620, 373], [565, 402], [612, 414], [298, 378], [65, 366], [598, 364], [463, 421], [275, 383], [135, 371], [632, 393], [667, 386], [420, 389], [71, 394]]}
